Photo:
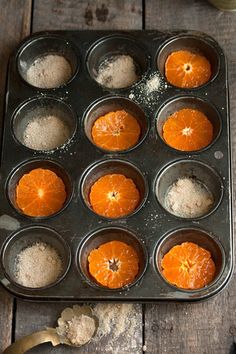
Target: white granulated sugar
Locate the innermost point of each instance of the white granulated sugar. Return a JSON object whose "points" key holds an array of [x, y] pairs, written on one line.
{"points": [[45, 133], [119, 71], [188, 198], [120, 325], [80, 329], [49, 71], [38, 265]]}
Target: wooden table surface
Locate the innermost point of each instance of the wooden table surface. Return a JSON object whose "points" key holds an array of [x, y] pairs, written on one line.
{"points": [[208, 327]]}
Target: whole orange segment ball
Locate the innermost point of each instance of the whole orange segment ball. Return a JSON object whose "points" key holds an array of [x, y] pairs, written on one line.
{"points": [[40, 193], [186, 69], [116, 131], [188, 266], [114, 264]]}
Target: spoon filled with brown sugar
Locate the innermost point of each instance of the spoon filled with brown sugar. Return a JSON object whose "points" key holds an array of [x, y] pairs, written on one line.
{"points": [[76, 327]]}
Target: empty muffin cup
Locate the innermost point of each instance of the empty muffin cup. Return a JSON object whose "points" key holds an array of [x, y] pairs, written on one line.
{"points": [[193, 44], [113, 104], [117, 62], [194, 235], [44, 123], [105, 235], [47, 62], [110, 167], [42, 242], [26, 168], [196, 178], [189, 102]]}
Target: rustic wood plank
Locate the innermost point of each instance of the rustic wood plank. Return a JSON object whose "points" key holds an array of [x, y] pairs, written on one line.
{"points": [[208, 327], [84, 15], [73, 14], [122, 337], [15, 25]]}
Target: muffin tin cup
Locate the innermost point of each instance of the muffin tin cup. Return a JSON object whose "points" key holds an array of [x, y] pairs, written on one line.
{"points": [[101, 236], [114, 166], [191, 102], [40, 107], [111, 104], [26, 168], [193, 44], [109, 46], [150, 162], [43, 45], [201, 238], [27, 237], [196, 170]]}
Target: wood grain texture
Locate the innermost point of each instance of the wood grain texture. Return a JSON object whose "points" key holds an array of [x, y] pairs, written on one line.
{"points": [[73, 14], [40, 316], [208, 327], [15, 25]]}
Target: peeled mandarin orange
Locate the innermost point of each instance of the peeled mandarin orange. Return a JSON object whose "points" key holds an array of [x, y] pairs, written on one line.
{"points": [[116, 131], [114, 195], [188, 130], [187, 69], [40, 193], [188, 266], [114, 264]]}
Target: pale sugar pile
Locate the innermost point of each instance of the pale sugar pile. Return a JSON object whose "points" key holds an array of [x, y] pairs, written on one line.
{"points": [[38, 265], [49, 71], [119, 71], [45, 133], [121, 327], [79, 330], [188, 198]]}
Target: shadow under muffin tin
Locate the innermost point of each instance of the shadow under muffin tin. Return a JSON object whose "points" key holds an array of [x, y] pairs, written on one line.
{"points": [[151, 229]]}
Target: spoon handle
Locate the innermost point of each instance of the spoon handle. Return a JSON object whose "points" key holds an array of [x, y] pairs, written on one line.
{"points": [[32, 340]]}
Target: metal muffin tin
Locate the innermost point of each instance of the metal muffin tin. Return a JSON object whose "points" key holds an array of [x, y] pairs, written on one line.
{"points": [[150, 229]]}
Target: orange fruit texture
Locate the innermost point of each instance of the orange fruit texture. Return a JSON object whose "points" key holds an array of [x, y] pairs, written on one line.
{"points": [[40, 193], [188, 130], [114, 195], [186, 69], [116, 131], [188, 266], [114, 264]]}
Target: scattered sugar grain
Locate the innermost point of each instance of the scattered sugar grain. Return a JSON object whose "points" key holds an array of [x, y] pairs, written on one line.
{"points": [[188, 198], [45, 133], [119, 71], [80, 329], [49, 71], [38, 265]]}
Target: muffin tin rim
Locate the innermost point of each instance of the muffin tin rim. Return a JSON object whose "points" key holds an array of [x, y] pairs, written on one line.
{"points": [[127, 36], [13, 234], [108, 97], [196, 35], [90, 234], [196, 98], [39, 160], [168, 234], [38, 98], [42, 35], [179, 160]]}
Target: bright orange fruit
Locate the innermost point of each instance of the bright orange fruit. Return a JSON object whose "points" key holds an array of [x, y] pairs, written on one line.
{"points": [[188, 130], [114, 195], [188, 266], [40, 193], [114, 264], [116, 131], [186, 69]]}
